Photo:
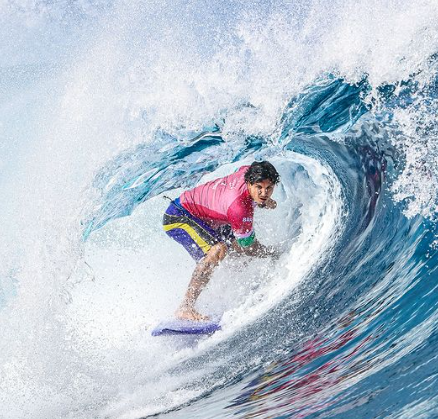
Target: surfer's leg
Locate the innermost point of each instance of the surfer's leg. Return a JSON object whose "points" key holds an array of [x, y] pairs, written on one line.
{"points": [[200, 277], [207, 246]]}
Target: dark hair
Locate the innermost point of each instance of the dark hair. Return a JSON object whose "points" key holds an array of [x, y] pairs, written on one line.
{"points": [[259, 171]]}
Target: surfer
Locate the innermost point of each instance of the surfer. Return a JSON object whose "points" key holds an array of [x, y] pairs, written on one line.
{"points": [[216, 218]]}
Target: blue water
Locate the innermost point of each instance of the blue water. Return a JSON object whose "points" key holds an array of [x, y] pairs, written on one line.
{"points": [[108, 106]]}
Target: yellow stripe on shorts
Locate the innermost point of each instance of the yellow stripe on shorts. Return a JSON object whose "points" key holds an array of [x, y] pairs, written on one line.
{"points": [[205, 247]]}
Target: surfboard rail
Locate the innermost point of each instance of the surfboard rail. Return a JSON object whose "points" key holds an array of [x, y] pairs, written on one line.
{"points": [[186, 327]]}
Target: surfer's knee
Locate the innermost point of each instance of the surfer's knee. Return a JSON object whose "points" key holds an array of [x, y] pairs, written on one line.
{"points": [[217, 253]]}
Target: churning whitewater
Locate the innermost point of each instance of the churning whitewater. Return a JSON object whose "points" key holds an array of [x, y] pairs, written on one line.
{"points": [[108, 106]]}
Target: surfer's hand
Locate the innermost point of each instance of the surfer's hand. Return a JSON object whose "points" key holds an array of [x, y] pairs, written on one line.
{"points": [[269, 204], [274, 252]]}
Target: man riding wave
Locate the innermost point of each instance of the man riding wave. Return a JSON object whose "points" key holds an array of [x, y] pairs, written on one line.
{"points": [[215, 218]]}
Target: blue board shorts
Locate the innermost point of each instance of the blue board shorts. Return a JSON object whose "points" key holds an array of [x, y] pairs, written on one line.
{"points": [[194, 234]]}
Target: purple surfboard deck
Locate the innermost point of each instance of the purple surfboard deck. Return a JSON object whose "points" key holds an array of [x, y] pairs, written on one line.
{"points": [[186, 327]]}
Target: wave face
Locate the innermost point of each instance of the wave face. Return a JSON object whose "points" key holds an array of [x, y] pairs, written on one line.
{"points": [[107, 107]]}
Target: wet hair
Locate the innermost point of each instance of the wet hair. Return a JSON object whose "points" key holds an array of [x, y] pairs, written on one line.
{"points": [[259, 171]]}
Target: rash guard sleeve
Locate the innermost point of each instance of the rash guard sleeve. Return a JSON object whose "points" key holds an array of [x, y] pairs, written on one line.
{"points": [[240, 215]]}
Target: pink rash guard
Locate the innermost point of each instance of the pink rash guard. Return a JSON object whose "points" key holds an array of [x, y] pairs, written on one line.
{"points": [[224, 201]]}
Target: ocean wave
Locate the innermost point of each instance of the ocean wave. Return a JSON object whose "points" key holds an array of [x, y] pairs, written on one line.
{"points": [[108, 106]]}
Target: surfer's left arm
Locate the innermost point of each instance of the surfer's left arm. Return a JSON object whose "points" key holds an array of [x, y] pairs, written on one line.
{"points": [[257, 249], [245, 242]]}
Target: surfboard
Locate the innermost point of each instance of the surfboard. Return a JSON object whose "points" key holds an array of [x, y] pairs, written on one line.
{"points": [[186, 327]]}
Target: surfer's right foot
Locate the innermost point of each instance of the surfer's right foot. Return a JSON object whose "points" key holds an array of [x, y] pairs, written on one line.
{"points": [[189, 313]]}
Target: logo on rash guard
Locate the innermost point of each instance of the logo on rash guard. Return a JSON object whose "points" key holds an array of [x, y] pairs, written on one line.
{"points": [[247, 219]]}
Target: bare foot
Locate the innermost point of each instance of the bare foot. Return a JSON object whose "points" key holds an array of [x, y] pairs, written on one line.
{"points": [[189, 313]]}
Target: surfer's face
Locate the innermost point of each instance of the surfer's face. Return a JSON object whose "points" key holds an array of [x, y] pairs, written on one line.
{"points": [[261, 191]]}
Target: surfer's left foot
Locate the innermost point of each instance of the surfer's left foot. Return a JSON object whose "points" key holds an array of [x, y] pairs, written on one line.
{"points": [[189, 313]]}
